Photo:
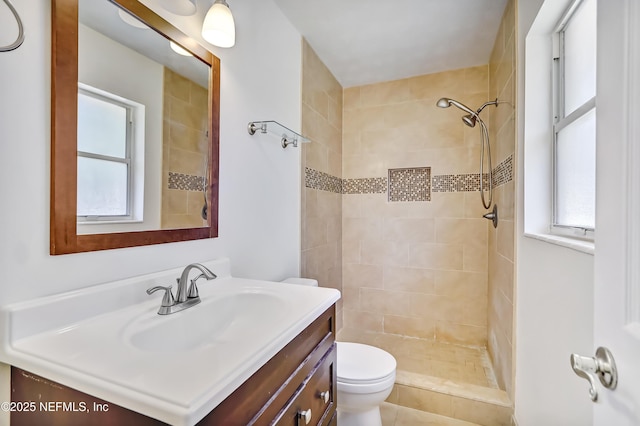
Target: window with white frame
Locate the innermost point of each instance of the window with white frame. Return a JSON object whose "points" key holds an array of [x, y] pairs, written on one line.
{"points": [[105, 156], [574, 123]]}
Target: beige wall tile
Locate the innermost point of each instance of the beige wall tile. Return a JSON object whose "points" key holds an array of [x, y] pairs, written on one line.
{"points": [[432, 87], [322, 211], [316, 232], [409, 230], [505, 239], [351, 98], [351, 251], [437, 249], [386, 93], [361, 228], [436, 256], [413, 280], [350, 298], [356, 275], [461, 334], [460, 284], [386, 253], [362, 166], [364, 321], [384, 302], [471, 232], [476, 80], [474, 260], [412, 327], [442, 204], [377, 206]]}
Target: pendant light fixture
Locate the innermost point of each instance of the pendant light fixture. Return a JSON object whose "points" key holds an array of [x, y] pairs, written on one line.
{"points": [[218, 27]]}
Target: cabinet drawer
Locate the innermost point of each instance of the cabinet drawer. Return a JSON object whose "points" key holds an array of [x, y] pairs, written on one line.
{"points": [[310, 397]]}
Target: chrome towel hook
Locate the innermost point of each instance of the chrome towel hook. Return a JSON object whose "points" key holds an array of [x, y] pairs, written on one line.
{"points": [[20, 38]]}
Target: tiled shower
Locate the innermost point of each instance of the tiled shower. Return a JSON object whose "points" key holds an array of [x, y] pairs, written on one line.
{"points": [[422, 274]]}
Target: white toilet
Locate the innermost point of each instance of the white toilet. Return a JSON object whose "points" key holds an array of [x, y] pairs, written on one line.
{"points": [[366, 375]]}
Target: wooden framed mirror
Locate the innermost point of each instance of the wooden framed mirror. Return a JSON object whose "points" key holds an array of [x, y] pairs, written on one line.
{"points": [[146, 187]]}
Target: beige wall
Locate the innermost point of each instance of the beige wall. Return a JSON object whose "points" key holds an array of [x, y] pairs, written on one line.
{"points": [[184, 151], [414, 268], [322, 173], [502, 80]]}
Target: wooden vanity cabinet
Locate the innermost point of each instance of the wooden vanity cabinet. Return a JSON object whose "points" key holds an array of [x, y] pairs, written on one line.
{"points": [[291, 381], [301, 377]]}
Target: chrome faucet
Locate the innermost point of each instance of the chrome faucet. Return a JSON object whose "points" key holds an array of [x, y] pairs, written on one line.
{"points": [[185, 297]]}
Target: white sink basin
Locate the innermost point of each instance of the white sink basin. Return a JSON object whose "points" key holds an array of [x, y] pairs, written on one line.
{"points": [[215, 321], [108, 341]]}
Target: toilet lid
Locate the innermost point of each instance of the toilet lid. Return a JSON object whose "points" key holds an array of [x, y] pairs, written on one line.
{"points": [[363, 363]]}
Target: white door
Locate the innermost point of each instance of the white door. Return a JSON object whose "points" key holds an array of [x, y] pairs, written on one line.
{"points": [[617, 239]]}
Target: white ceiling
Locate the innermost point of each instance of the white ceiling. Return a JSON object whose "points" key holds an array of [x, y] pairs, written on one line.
{"points": [[369, 41]]}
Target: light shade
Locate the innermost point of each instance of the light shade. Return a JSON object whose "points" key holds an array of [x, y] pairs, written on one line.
{"points": [[218, 27], [179, 49], [129, 19]]}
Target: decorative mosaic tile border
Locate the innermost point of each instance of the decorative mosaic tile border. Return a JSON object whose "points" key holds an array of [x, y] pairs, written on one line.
{"points": [[319, 180], [364, 186], [503, 172], [459, 183], [185, 182], [410, 184]]}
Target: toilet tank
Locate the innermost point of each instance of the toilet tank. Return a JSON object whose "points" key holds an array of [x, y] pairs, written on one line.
{"points": [[303, 281]]}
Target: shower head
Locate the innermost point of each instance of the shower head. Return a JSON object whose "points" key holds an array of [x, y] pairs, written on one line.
{"points": [[469, 120], [446, 103]]}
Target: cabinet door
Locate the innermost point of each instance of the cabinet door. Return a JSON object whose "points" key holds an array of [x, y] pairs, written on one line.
{"points": [[314, 403]]}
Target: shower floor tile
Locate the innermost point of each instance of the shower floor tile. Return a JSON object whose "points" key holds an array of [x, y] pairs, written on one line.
{"points": [[430, 358]]}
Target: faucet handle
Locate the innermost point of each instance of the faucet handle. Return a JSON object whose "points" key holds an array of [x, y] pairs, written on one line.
{"points": [[167, 300], [193, 288]]}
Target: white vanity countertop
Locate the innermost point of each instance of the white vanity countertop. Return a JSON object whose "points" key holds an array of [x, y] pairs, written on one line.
{"points": [[108, 341]]}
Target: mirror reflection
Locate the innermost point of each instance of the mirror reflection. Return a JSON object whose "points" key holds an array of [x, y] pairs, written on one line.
{"points": [[142, 127]]}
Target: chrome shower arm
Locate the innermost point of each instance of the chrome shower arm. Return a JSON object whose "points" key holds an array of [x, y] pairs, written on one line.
{"points": [[495, 102]]}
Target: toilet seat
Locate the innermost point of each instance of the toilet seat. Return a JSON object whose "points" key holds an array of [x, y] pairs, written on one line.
{"points": [[363, 368]]}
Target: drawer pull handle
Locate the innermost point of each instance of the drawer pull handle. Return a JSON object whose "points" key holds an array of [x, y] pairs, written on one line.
{"points": [[306, 415], [325, 396]]}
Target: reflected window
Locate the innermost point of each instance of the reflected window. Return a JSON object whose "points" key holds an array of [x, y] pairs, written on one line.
{"points": [[106, 125]]}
